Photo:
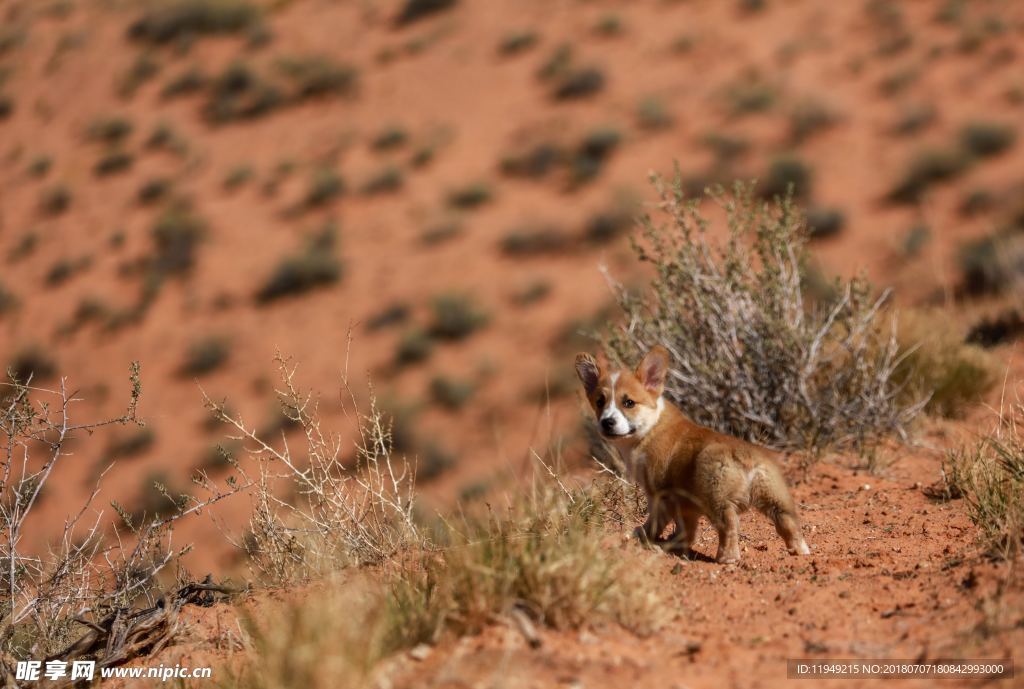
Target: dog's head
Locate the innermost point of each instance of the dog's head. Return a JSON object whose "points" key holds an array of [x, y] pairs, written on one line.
{"points": [[626, 403]]}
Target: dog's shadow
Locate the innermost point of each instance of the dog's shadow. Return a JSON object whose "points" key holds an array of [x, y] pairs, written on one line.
{"points": [[693, 555]]}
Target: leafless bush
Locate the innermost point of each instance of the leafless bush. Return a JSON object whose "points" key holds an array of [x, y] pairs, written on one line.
{"points": [[97, 565], [316, 513], [752, 354]]}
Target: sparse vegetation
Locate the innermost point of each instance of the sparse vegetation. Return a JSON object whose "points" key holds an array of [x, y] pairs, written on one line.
{"points": [[31, 363], [928, 167], [192, 80], [442, 232], [387, 180], [533, 240], [413, 347], [316, 76], [113, 162], [455, 317], [518, 42], [390, 138], [809, 117], [752, 354], [470, 196], [239, 93], [176, 235], [415, 10], [652, 114], [451, 393], [750, 95], [204, 356], [786, 175], [55, 200], [110, 130], [314, 268], [992, 264], [823, 222], [325, 186], [174, 20], [990, 478], [985, 139], [153, 190]]}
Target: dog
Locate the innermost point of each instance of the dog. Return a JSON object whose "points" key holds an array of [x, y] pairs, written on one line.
{"points": [[686, 470]]}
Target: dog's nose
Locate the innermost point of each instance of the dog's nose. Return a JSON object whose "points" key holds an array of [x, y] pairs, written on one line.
{"points": [[608, 423]]}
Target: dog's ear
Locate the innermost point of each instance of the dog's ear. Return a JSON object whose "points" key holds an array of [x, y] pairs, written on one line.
{"points": [[588, 370], [653, 369]]}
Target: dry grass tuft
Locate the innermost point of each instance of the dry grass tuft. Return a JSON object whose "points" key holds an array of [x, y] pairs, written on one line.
{"points": [[990, 478]]}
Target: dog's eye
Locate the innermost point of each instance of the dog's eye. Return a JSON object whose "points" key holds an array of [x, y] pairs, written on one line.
{"points": [[600, 401], [628, 403]]}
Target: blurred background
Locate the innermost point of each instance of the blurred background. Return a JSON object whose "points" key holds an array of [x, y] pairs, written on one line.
{"points": [[198, 185]]}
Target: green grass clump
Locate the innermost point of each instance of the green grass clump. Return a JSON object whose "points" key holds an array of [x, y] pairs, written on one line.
{"points": [[415, 10], [786, 174], [928, 167], [985, 139], [470, 196], [518, 42], [325, 186], [113, 162], [456, 316], [172, 20], [239, 93], [535, 240], [204, 356], [316, 76], [176, 235], [32, 362], [55, 200], [314, 268], [413, 347]]}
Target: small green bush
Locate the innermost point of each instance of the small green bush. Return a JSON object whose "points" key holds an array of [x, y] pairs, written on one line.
{"points": [[518, 42], [239, 93], [390, 138], [109, 130], [388, 179], [415, 10], [413, 347], [451, 393], [470, 196], [172, 20], [534, 240], [985, 139], [578, 82], [314, 268], [653, 115], [455, 317], [204, 356], [786, 175], [113, 162], [55, 200], [325, 186], [823, 222], [153, 190], [928, 167], [176, 235], [32, 362], [192, 80], [315, 76]]}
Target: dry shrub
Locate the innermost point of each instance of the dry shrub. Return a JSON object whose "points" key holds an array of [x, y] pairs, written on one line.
{"points": [[990, 478], [752, 354], [313, 511], [93, 568], [937, 365]]}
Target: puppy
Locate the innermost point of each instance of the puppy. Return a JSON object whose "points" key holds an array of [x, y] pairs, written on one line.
{"points": [[686, 470]]}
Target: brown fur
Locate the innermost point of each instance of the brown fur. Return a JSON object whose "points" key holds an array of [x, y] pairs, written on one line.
{"points": [[687, 470]]}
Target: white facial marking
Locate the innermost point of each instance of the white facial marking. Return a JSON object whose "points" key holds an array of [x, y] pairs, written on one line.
{"points": [[646, 417], [620, 425]]}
